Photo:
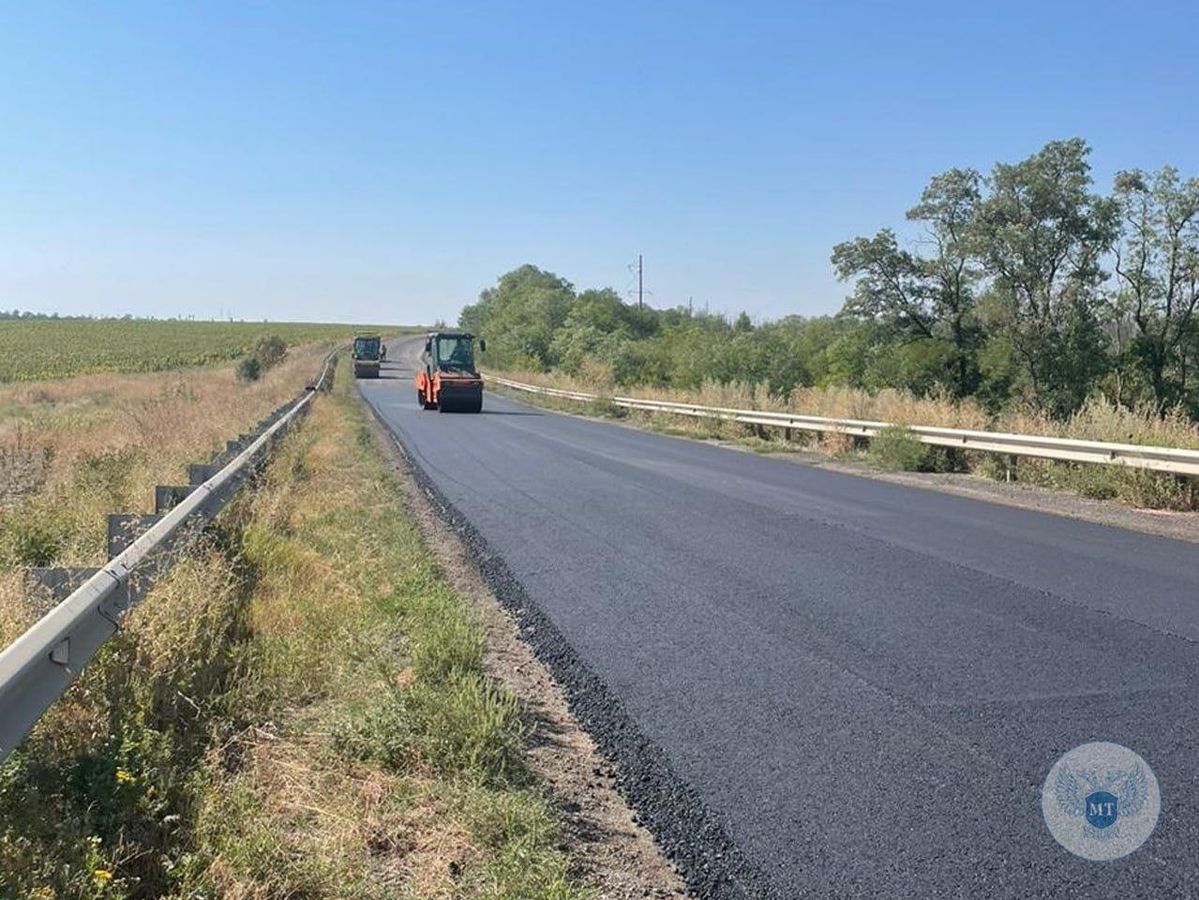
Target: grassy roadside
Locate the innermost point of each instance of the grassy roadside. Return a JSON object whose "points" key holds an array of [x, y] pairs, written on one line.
{"points": [[898, 451], [75, 449], [300, 710]]}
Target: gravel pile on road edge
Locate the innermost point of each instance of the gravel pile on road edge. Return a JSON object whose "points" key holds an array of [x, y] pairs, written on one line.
{"points": [[689, 833]]}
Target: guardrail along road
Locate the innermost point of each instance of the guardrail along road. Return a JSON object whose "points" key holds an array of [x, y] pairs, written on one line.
{"points": [[863, 684]]}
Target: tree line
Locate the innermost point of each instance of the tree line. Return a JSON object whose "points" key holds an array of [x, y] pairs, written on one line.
{"points": [[1024, 285]]}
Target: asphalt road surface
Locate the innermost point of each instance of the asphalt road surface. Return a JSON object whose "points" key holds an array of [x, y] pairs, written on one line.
{"points": [[864, 684]]}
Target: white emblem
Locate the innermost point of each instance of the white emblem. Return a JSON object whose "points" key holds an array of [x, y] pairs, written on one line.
{"points": [[1101, 801]]}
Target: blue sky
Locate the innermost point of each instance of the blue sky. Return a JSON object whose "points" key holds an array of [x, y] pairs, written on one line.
{"points": [[386, 161]]}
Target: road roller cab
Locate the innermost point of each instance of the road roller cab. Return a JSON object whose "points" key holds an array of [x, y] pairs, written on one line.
{"points": [[447, 379]]}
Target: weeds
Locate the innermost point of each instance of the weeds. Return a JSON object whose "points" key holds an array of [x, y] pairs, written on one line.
{"points": [[268, 352], [102, 441], [603, 407], [30, 540]]}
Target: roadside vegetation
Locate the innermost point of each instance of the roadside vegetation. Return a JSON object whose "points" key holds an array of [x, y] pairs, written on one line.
{"points": [[267, 352], [300, 710], [1023, 300], [75, 449], [35, 348]]}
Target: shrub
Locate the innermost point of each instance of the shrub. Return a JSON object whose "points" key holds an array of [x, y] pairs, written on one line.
{"points": [[896, 448], [604, 407], [249, 369], [269, 350], [1134, 487]]}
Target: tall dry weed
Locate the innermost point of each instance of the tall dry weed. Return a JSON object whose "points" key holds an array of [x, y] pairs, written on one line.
{"points": [[103, 441]]}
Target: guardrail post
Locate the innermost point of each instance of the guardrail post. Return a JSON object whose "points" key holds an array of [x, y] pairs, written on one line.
{"points": [[124, 529], [198, 473], [168, 496], [222, 457], [1009, 467]]}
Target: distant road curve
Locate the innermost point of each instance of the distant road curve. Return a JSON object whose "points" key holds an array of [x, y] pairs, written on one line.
{"points": [[859, 686]]}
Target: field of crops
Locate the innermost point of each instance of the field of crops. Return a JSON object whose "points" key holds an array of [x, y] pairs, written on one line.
{"points": [[33, 350]]}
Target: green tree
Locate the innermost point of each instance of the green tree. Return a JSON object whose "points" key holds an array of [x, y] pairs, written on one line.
{"points": [[1041, 235], [949, 210], [520, 316], [891, 285], [924, 298], [1157, 271]]}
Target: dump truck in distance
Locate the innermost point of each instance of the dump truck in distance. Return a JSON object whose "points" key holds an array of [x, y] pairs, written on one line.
{"points": [[448, 380], [368, 353]]}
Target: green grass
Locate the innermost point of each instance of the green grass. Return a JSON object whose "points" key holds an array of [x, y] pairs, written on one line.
{"points": [[35, 350]]}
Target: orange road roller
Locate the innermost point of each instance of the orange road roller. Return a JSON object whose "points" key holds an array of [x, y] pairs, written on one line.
{"points": [[447, 379]]}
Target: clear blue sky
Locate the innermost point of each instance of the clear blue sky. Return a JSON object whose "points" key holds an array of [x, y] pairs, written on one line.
{"points": [[386, 161]]}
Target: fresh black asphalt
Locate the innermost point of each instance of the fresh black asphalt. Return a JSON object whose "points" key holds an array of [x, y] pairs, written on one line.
{"points": [[831, 686]]}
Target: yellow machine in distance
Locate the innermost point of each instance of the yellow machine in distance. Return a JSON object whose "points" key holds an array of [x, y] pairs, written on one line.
{"points": [[368, 354]]}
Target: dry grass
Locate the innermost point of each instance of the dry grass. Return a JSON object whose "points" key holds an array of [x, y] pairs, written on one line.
{"points": [[1101, 420], [79, 448], [172, 414], [101, 785], [16, 615]]}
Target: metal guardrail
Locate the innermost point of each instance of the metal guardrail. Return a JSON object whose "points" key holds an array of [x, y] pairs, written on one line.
{"points": [[1174, 460], [38, 667]]}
